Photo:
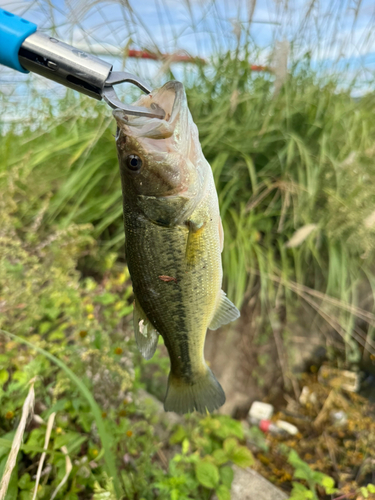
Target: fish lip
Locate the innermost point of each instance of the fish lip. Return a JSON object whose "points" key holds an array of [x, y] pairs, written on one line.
{"points": [[172, 196], [124, 119]]}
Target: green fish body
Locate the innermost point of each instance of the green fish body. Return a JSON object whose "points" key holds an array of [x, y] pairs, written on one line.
{"points": [[173, 244]]}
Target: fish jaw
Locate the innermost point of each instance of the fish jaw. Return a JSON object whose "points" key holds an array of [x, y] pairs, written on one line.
{"points": [[168, 149]]}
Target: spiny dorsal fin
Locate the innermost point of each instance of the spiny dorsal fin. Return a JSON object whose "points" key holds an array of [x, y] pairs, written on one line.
{"points": [[146, 336], [225, 312]]}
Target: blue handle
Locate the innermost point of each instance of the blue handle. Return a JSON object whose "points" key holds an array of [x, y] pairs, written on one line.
{"points": [[13, 32]]}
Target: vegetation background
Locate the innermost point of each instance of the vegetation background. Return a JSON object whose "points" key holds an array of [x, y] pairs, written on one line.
{"points": [[292, 151]]}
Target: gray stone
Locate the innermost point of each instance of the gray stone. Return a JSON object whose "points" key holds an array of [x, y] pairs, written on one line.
{"points": [[152, 406], [249, 485]]}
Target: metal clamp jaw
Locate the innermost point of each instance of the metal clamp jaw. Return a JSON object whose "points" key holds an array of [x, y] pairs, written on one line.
{"points": [[80, 71]]}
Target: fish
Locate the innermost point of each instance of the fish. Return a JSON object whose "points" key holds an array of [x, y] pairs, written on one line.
{"points": [[173, 243]]}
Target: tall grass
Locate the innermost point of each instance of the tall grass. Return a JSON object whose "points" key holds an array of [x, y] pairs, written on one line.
{"points": [[282, 160]]}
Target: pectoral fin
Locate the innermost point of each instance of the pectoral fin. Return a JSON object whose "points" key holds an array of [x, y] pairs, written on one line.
{"points": [[225, 312], [194, 242], [146, 336]]}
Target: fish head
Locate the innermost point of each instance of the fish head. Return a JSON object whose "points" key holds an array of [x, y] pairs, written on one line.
{"points": [[160, 159]]}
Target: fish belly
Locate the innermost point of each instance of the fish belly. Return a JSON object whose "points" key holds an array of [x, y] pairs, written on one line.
{"points": [[176, 286]]}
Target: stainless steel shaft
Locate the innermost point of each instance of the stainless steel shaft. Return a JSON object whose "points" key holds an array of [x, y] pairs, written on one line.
{"points": [[64, 64]]}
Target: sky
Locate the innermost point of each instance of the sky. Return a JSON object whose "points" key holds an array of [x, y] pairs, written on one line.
{"points": [[339, 34]]}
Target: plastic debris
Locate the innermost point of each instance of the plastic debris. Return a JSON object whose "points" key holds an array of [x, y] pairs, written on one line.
{"points": [[268, 426], [280, 427], [287, 427], [338, 417], [343, 379], [260, 411], [307, 396]]}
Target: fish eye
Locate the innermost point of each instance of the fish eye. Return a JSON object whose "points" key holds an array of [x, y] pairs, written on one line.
{"points": [[134, 163]]}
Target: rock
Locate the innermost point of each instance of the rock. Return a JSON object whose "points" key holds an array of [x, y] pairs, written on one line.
{"points": [[153, 406], [249, 485]]}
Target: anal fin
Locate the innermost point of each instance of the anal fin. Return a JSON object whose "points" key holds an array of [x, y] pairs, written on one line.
{"points": [[146, 336], [225, 312]]}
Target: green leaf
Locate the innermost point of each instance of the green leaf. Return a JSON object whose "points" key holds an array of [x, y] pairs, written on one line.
{"points": [[25, 494], [220, 456], [25, 482], [230, 445], [300, 492], [242, 457], [6, 443], [226, 475], [175, 494], [106, 298], [185, 446], [257, 437], [21, 377], [72, 440], [56, 336], [4, 376], [371, 488], [229, 427], [178, 436], [207, 474], [328, 484], [302, 469], [222, 492], [44, 326]]}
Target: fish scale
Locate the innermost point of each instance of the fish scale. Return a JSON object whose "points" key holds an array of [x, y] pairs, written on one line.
{"points": [[190, 302]]}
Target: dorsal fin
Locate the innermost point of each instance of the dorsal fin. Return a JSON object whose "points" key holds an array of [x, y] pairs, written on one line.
{"points": [[225, 312], [146, 336]]}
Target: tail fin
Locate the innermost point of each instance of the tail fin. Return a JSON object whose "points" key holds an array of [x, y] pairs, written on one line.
{"points": [[206, 394]]}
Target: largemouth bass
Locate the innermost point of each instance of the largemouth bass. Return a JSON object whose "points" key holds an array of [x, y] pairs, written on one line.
{"points": [[173, 243]]}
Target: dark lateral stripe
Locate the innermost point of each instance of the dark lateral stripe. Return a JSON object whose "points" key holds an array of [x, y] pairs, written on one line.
{"points": [[181, 336]]}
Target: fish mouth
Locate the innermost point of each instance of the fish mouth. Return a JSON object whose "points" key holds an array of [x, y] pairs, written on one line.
{"points": [[167, 98], [170, 99]]}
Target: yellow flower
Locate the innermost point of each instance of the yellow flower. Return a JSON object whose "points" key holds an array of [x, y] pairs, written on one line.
{"points": [[118, 350], [9, 415]]}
